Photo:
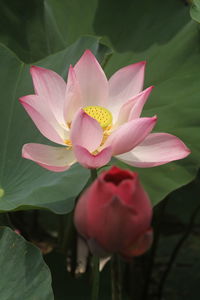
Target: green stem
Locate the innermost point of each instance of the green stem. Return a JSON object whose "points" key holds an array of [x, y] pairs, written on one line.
{"points": [[93, 174], [67, 232], [116, 278], [69, 225], [95, 278], [95, 259]]}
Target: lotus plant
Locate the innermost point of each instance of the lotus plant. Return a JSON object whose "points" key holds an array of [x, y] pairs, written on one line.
{"points": [[93, 118]]}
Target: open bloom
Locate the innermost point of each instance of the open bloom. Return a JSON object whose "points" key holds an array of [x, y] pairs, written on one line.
{"points": [[114, 214], [94, 118]]}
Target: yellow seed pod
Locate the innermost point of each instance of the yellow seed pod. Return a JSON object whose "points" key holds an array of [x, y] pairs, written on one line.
{"points": [[99, 113]]}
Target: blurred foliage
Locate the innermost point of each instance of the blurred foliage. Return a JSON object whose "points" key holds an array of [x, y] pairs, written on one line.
{"points": [[65, 283], [176, 266]]}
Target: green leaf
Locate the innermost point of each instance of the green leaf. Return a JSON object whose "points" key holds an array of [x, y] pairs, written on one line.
{"points": [[195, 10], [183, 279], [39, 28], [24, 29], [162, 33], [184, 202], [24, 273], [72, 18], [23, 184]]}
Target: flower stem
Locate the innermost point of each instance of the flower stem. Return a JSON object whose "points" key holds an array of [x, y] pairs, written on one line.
{"points": [[95, 259], [116, 278], [93, 174], [95, 278], [69, 233]]}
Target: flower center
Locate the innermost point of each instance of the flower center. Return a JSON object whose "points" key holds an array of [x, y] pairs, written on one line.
{"points": [[69, 144], [102, 115]]}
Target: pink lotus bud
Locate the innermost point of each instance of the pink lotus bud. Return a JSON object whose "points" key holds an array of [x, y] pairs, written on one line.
{"points": [[114, 214]]}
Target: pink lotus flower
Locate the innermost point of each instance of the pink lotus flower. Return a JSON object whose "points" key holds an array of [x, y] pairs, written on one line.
{"points": [[114, 214], [94, 119]]}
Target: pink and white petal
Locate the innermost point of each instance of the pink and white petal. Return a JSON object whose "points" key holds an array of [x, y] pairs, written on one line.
{"points": [[130, 134], [82, 253], [92, 161], [57, 159], [92, 80], [139, 104], [86, 131], [125, 84], [52, 88], [103, 262], [132, 108], [157, 149], [73, 99], [44, 121]]}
